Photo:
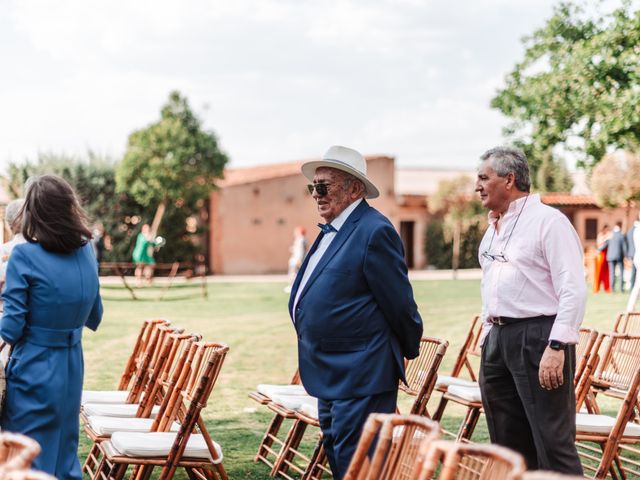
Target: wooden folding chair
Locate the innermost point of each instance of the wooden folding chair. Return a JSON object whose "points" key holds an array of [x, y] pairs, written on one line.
{"points": [[466, 363], [267, 452], [470, 396], [617, 375], [465, 461], [17, 452], [395, 441], [627, 322], [197, 453], [421, 374], [134, 368], [152, 361], [167, 369]]}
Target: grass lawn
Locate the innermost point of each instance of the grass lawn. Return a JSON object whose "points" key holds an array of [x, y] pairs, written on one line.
{"points": [[252, 319]]}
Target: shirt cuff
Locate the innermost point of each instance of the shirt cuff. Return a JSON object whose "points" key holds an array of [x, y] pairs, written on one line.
{"points": [[564, 334]]}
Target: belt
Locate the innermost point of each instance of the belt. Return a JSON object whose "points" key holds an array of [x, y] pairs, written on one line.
{"points": [[502, 321], [48, 337]]}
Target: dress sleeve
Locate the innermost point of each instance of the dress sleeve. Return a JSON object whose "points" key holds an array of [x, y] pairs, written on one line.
{"points": [[95, 316], [16, 297]]}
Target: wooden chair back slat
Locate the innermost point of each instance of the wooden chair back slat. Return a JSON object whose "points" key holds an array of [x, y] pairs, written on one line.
{"points": [[627, 322], [138, 349], [398, 439], [422, 373], [465, 461], [619, 361], [470, 348]]}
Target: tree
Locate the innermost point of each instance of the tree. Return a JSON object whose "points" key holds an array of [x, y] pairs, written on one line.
{"points": [[173, 161], [615, 181], [455, 201], [576, 90]]}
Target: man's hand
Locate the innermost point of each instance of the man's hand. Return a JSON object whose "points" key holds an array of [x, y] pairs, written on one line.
{"points": [[551, 366]]}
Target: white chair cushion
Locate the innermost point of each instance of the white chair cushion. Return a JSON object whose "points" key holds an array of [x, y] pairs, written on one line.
{"points": [[295, 402], [108, 425], [271, 390], [116, 410], [471, 394], [158, 444], [603, 424], [310, 410], [447, 381], [104, 396]]}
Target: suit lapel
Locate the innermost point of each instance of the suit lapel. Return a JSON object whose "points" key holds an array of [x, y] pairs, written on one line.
{"points": [[300, 274], [343, 234]]}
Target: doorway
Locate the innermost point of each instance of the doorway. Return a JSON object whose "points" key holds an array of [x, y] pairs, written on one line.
{"points": [[406, 235]]}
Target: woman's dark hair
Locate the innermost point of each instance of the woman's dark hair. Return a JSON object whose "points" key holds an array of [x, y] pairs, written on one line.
{"points": [[52, 215]]}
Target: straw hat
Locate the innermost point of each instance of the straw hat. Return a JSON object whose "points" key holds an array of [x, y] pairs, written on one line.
{"points": [[347, 160]]}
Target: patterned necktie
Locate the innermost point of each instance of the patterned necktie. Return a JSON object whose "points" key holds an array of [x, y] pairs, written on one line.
{"points": [[327, 228]]}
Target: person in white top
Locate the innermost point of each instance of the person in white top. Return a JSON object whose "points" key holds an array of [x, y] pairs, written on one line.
{"points": [[13, 219], [533, 302], [635, 291]]}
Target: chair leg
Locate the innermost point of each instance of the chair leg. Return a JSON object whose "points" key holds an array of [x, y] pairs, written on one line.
{"points": [[93, 460], [437, 415], [294, 437], [267, 439], [469, 424]]}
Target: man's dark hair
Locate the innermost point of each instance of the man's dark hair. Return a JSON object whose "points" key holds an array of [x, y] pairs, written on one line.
{"points": [[52, 215], [505, 160]]}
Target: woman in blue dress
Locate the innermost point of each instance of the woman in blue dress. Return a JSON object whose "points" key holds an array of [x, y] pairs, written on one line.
{"points": [[52, 292]]}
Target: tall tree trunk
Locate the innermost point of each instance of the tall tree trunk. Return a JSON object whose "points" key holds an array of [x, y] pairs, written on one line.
{"points": [[157, 219], [455, 261]]}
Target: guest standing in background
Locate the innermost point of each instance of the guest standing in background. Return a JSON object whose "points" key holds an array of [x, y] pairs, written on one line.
{"points": [[615, 256], [631, 251], [52, 292], [601, 270], [635, 241], [143, 255], [13, 220], [298, 250]]}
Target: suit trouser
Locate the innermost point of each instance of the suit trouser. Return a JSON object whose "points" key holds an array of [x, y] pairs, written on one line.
{"points": [[538, 423], [613, 266], [341, 422]]}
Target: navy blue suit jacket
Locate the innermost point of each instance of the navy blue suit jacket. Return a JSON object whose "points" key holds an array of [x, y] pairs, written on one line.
{"points": [[617, 247], [356, 317]]}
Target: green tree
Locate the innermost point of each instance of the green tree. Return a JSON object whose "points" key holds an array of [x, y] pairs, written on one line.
{"points": [[615, 181], [455, 201], [576, 89], [173, 161]]}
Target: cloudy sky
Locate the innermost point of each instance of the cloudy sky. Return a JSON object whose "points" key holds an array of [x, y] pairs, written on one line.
{"points": [[277, 80]]}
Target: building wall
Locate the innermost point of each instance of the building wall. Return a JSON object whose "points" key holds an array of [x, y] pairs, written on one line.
{"points": [[252, 223]]}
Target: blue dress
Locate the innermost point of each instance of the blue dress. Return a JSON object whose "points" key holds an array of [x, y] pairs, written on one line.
{"points": [[49, 298]]}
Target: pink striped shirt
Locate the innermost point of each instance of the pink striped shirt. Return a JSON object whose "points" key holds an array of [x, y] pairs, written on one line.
{"points": [[544, 271]]}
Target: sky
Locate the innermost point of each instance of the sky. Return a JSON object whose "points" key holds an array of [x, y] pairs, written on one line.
{"points": [[276, 80]]}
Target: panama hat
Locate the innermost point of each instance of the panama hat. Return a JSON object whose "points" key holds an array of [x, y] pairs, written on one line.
{"points": [[346, 159]]}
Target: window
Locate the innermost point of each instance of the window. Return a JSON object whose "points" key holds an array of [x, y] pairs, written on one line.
{"points": [[590, 228]]}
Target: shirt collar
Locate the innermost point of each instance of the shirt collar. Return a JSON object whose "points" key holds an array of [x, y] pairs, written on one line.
{"points": [[340, 219], [514, 207]]}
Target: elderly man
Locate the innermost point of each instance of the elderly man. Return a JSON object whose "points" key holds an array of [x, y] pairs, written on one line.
{"points": [[352, 306], [533, 301]]}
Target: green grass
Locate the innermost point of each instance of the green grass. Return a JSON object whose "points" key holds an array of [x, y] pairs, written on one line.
{"points": [[252, 319]]}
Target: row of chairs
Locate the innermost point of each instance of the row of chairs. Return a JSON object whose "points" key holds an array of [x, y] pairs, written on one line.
{"points": [[154, 418], [291, 403], [282, 452], [17, 453]]}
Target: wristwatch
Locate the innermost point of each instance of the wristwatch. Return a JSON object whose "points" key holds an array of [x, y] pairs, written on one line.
{"points": [[556, 345]]}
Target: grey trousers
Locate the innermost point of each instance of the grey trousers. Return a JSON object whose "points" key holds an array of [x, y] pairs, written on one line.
{"points": [[538, 423]]}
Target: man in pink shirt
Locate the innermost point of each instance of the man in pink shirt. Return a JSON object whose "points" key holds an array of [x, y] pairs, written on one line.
{"points": [[533, 301]]}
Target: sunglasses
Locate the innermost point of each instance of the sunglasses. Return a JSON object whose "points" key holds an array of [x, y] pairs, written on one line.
{"points": [[321, 188]]}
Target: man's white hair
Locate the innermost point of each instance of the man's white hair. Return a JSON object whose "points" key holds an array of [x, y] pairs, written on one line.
{"points": [[12, 214]]}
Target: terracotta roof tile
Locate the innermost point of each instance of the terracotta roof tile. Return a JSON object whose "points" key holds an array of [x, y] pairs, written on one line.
{"points": [[566, 199]]}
